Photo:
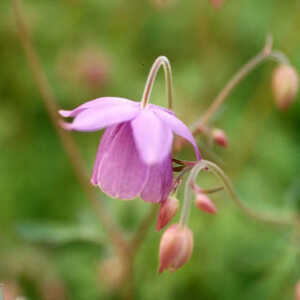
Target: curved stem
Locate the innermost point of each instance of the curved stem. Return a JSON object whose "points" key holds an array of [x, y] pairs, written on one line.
{"points": [[160, 61], [247, 210], [70, 147], [266, 53], [185, 212]]}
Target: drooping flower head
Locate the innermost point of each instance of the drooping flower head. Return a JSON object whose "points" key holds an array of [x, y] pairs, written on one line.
{"points": [[134, 155]]}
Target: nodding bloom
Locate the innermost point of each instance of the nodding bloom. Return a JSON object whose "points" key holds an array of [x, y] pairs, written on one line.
{"points": [[134, 155]]}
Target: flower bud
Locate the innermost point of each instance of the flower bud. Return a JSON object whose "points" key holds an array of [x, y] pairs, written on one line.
{"points": [[10, 290], [204, 203], [176, 247], [162, 3], [285, 86], [112, 272], [297, 291], [167, 211], [219, 136], [92, 68], [53, 289], [217, 3]]}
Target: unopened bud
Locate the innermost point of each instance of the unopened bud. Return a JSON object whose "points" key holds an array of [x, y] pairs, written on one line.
{"points": [[9, 290], [217, 3], [53, 289], [112, 272], [92, 68], [285, 84], [204, 203], [167, 211], [176, 247], [162, 3], [297, 291], [219, 136]]}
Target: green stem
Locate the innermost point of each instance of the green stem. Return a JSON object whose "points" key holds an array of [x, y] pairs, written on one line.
{"points": [[160, 61], [266, 53], [276, 220], [292, 221], [47, 96], [185, 212]]}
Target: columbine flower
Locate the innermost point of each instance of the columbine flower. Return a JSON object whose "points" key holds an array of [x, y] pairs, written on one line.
{"points": [[134, 155]]}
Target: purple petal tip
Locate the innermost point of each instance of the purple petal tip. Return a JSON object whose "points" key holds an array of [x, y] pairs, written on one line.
{"points": [[64, 113]]}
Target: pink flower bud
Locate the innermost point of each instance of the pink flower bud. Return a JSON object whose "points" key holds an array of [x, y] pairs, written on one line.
{"points": [[167, 211], [112, 272], [176, 247], [285, 86], [220, 137], [297, 291], [217, 3], [92, 68], [204, 203], [10, 290]]}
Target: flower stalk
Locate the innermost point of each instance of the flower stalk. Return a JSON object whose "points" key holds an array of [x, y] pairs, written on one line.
{"points": [[160, 61], [185, 213], [205, 164], [263, 55], [48, 98]]}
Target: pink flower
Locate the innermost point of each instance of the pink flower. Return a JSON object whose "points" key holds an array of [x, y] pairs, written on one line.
{"points": [[176, 247], [134, 155]]}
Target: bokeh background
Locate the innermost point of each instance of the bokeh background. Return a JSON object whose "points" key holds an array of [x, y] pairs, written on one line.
{"points": [[51, 245]]}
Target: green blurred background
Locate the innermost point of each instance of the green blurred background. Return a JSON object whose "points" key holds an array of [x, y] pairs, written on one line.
{"points": [[51, 246]]}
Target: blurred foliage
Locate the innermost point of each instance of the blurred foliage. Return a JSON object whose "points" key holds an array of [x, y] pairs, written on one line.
{"points": [[50, 242]]}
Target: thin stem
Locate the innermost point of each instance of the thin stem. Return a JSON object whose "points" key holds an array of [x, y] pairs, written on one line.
{"points": [[185, 212], [266, 53], [49, 100], [160, 61], [212, 191], [248, 211]]}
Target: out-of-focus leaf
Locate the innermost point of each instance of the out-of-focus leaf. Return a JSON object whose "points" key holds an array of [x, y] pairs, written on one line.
{"points": [[58, 234]]}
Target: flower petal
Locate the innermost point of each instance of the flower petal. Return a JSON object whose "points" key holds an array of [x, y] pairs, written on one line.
{"points": [[179, 128], [153, 138], [121, 172], [160, 181], [106, 140], [100, 103], [96, 118]]}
